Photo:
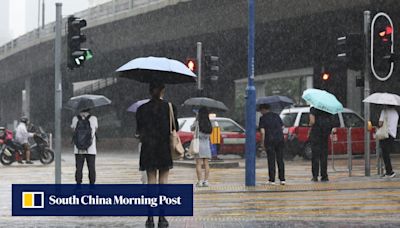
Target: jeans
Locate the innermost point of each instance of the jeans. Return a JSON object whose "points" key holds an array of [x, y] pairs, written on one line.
{"points": [[275, 153], [387, 146], [91, 163]]}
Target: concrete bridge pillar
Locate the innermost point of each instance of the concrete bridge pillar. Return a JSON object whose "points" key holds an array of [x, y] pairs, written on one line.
{"points": [[26, 98]]}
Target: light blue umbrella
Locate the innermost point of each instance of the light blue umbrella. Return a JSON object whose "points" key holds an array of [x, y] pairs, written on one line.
{"points": [[322, 100]]}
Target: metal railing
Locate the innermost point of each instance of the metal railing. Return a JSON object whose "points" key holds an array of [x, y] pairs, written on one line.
{"points": [[100, 84], [110, 10], [349, 149]]}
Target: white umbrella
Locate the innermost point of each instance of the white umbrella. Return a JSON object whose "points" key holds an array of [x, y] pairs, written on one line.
{"points": [[383, 98], [157, 69]]}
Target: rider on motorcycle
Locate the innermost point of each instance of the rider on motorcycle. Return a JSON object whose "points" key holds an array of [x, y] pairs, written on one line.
{"points": [[22, 135]]}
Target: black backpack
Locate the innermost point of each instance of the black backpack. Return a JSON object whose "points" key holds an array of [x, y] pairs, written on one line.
{"points": [[83, 133]]}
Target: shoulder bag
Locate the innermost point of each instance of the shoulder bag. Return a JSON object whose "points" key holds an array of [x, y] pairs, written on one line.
{"points": [[195, 143], [383, 132], [176, 147]]}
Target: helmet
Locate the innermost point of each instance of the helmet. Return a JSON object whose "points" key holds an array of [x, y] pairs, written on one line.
{"points": [[24, 119]]}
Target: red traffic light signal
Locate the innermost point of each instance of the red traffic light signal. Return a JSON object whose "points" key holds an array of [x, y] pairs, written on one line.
{"points": [[325, 76], [191, 64]]}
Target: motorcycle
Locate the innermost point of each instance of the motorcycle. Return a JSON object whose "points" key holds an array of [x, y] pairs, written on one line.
{"points": [[12, 151]]}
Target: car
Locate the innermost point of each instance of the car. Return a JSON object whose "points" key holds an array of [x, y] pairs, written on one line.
{"points": [[233, 136], [297, 129]]}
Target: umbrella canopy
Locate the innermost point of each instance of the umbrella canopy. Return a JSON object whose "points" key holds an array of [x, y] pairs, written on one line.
{"points": [[205, 102], [87, 101], [276, 102], [383, 98], [157, 69], [136, 105], [322, 100]]}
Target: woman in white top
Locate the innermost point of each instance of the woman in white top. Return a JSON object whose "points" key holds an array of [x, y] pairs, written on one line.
{"points": [[391, 117]]}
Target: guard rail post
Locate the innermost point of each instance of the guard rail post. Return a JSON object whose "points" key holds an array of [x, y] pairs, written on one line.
{"points": [[333, 132], [349, 151]]}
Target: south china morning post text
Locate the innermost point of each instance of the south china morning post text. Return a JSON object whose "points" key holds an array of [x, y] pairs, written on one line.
{"points": [[102, 200], [116, 200]]}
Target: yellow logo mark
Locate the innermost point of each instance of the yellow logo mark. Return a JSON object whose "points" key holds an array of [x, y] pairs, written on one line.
{"points": [[32, 199]]}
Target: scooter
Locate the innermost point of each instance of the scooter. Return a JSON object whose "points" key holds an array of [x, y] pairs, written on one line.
{"points": [[12, 151]]}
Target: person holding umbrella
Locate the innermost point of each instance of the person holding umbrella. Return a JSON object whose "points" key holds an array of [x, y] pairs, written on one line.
{"points": [[153, 128], [271, 127], [204, 129], [85, 126], [324, 106], [391, 117]]}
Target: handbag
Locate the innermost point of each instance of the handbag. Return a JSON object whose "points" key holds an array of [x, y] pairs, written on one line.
{"points": [[383, 132], [176, 147], [194, 147]]}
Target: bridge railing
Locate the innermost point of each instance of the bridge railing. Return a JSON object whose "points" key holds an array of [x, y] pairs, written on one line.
{"points": [[100, 12]]}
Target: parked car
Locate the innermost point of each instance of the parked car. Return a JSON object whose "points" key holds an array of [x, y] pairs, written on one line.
{"points": [[297, 129], [233, 136]]}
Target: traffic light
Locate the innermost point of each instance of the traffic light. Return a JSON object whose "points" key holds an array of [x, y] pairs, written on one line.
{"points": [[325, 76], [350, 50], [382, 46], [191, 64], [76, 55], [212, 66]]}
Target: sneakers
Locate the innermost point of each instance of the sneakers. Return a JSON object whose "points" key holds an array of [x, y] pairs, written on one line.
{"points": [[283, 182], [202, 183], [271, 183], [28, 162], [391, 175]]}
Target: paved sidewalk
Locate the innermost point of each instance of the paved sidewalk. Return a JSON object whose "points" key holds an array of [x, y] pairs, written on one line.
{"points": [[344, 201]]}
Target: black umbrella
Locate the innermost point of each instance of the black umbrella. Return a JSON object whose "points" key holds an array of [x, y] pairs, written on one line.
{"points": [[276, 102], [87, 101], [205, 102], [157, 69]]}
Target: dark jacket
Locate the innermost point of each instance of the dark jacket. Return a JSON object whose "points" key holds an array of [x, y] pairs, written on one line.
{"points": [[153, 126]]}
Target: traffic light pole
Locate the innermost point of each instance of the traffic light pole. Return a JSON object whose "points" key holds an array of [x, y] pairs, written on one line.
{"points": [[367, 32], [57, 95], [199, 51], [251, 104]]}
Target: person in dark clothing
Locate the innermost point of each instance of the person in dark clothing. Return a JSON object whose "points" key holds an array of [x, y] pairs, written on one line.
{"points": [[321, 126], [153, 127], [271, 127]]}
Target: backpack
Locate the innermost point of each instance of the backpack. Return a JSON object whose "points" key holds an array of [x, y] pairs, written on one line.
{"points": [[83, 133]]}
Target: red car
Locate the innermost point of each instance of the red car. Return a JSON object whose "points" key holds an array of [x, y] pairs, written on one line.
{"points": [[233, 136], [297, 130]]}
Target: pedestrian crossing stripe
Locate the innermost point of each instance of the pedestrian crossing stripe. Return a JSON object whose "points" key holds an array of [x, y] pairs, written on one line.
{"points": [[32, 199]]}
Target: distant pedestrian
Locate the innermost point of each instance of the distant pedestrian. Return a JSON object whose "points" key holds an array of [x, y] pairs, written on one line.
{"points": [[21, 136], [391, 117], [85, 126], [153, 127], [321, 126], [271, 127], [204, 126]]}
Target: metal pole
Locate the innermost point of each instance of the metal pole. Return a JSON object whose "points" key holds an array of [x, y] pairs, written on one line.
{"points": [[251, 104], [367, 31], [349, 151], [38, 20], [43, 14], [332, 151], [199, 52], [57, 95], [378, 156]]}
